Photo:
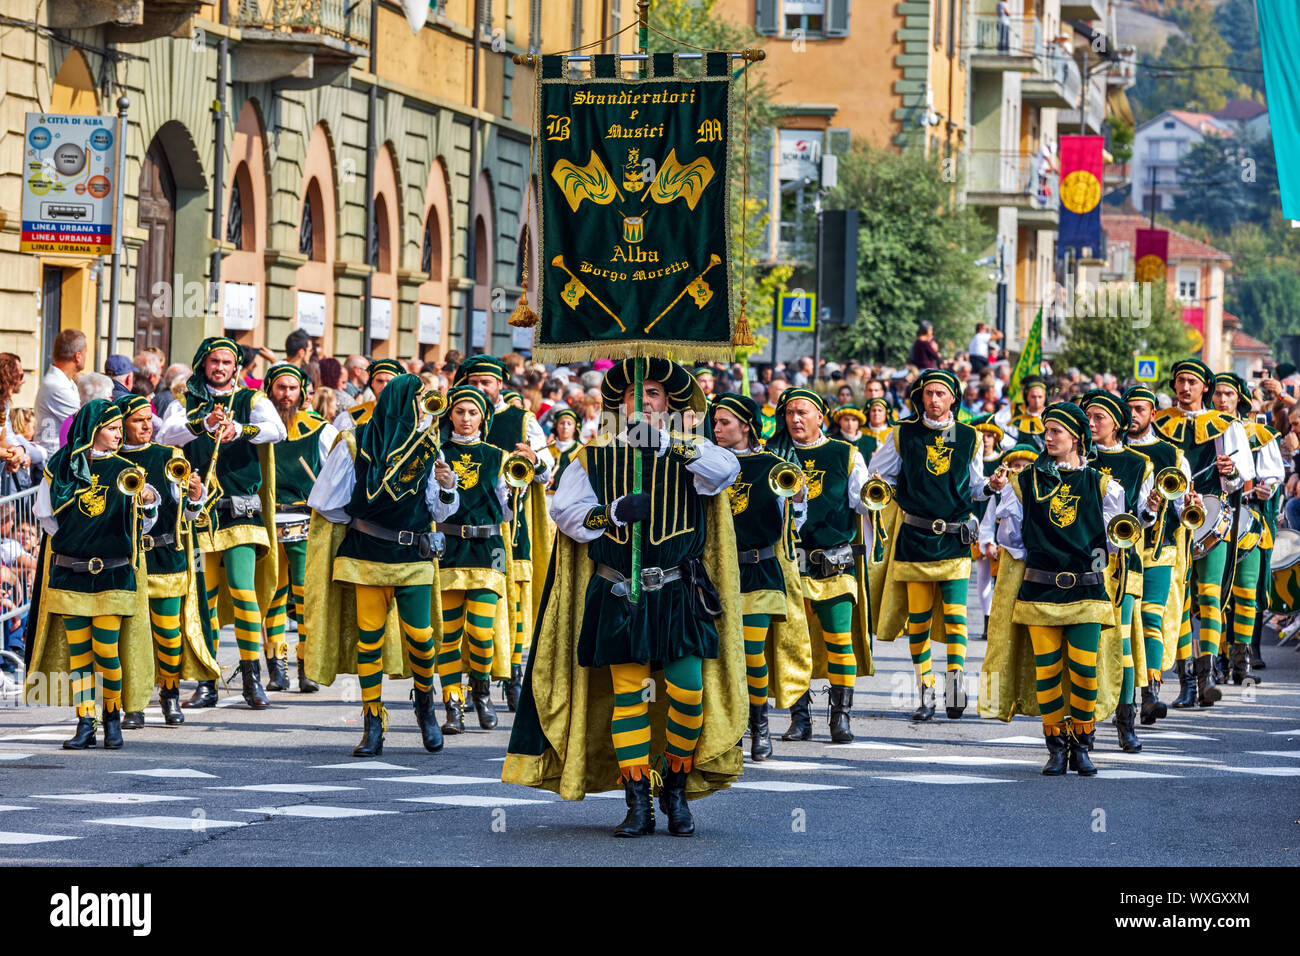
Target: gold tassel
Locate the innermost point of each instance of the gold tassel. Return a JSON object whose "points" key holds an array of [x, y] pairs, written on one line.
{"points": [[523, 316], [743, 337]]}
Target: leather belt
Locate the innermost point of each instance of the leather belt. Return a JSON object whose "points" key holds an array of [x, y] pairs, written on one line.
{"points": [[754, 557], [1065, 580], [468, 530], [240, 506], [92, 565], [385, 534], [966, 530], [151, 541], [835, 561], [652, 579]]}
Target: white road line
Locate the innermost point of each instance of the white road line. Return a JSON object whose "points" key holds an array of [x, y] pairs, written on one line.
{"points": [[288, 788], [470, 800], [109, 797], [782, 786], [195, 824], [9, 838], [318, 811], [169, 773], [438, 779], [941, 778]]}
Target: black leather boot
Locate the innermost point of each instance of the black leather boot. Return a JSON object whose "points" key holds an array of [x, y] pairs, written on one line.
{"points": [[841, 704], [672, 801], [1080, 762], [1239, 655], [1186, 687], [480, 691], [254, 696], [640, 819], [1128, 740], [954, 694], [760, 738], [113, 729], [277, 673], [305, 684], [84, 738], [455, 722], [1222, 670], [372, 735], [1152, 708], [205, 695], [1058, 754], [1207, 691], [430, 732], [513, 686], [800, 719], [169, 699], [134, 719], [926, 710]]}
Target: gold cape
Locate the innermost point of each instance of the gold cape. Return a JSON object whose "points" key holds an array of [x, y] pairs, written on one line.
{"points": [[526, 573], [268, 570], [1008, 677], [862, 634], [573, 706], [789, 649], [51, 662]]}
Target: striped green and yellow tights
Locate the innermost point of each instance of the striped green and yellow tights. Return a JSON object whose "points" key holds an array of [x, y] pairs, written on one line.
{"points": [[288, 599], [921, 599], [836, 619], [92, 650], [1155, 592], [1052, 645], [1245, 586], [240, 563], [417, 628], [165, 621], [756, 626], [1209, 600], [473, 611], [630, 728]]}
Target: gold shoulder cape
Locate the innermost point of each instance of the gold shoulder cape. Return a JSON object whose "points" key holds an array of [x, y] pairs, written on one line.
{"points": [[330, 609], [561, 738]]}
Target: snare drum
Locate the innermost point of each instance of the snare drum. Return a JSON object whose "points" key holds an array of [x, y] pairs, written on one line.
{"points": [[1216, 527], [289, 533], [1284, 579]]}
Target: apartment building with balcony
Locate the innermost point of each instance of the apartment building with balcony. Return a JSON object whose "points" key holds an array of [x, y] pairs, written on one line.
{"points": [[1159, 145], [361, 162]]}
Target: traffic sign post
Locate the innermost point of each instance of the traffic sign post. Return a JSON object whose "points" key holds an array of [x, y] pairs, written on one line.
{"points": [[1146, 368]]}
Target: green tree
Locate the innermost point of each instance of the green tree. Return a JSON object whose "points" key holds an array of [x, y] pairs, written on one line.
{"points": [[1190, 68], [1105, 337], [1227, 180], [916, 253], [697, 23], [1268, 303], [1239, 27]]}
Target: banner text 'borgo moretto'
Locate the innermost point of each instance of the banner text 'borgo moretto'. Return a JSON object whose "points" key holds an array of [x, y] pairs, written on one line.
{"points": [[635, 184]]}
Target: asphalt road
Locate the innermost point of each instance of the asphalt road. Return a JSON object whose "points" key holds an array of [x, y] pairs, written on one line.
{"points": [[237, 787]]}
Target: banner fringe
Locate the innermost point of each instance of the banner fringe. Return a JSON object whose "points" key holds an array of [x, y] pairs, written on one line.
{"points": [[616, 351]]}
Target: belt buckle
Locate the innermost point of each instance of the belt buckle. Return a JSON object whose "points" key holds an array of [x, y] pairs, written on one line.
{"points": [[652, 579], [464, 532], [146, 542], [746, 559], [938, 526], [95, 565], [406, 537], [1073, 579]]}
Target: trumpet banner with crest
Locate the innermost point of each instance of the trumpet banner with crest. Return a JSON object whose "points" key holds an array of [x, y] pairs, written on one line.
{"points": [[635, 212]]}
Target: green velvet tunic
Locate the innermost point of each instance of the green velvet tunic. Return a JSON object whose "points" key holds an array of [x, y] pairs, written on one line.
{"points": [[409, 513], [1163, 534], [294, 456], [1129, 467], [239, 470], [510, 428], [759, 522], [161, 559], [1064, 531], [1180, 430], [477, 466], [99, 522], [933, 482], [829, 522], [661, 626]]}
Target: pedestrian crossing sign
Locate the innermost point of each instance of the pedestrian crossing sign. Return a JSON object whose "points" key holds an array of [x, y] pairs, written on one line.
{"points": [[1146, 368], [798, 311]]}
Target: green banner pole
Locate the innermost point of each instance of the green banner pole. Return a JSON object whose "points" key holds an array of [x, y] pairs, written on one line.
{"points": [[638, 365]]}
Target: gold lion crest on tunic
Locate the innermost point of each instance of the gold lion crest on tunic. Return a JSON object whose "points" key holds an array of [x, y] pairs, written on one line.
{"points": [[739, 495], [813, 477], [938, 457], [92, 501], [1063, 509], [466, 471]]}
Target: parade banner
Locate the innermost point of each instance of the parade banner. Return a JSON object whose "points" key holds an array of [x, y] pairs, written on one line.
{"points": [[635, 212], [1030, 361], [69, 172], [1150, 255], [1081, 172]]}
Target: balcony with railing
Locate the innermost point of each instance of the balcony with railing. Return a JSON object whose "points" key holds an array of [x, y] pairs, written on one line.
{"points": [[1000, 178], [299, 43], [136, 22], [1090, 10], [1057, 82], [1007, 43], [1068, 120]]}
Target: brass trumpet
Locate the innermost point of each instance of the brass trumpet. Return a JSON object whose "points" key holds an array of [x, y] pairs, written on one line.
{"points": [[876, 494], [177, 470], [785, 480], [131, 481], [518, 470], [1171, 483], [1123, 531], [1193, 517], [434, 403]]}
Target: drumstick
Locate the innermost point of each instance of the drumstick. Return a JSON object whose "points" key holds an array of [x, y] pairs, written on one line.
{"points": [[307, 468]]}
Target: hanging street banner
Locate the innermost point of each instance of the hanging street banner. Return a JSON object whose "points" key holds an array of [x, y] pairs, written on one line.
{"points": [[1150, 255], [1081, 170], [635, 212], [68, 178]]}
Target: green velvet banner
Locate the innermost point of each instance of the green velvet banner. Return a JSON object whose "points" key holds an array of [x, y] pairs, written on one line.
{"points": [[635, 186]]}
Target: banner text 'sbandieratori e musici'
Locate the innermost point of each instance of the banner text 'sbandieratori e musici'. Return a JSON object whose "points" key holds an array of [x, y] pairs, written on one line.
{"points": [[635, 184]]}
